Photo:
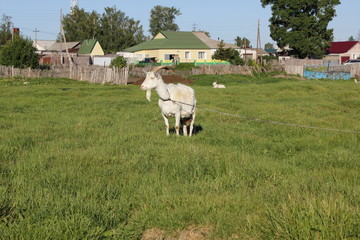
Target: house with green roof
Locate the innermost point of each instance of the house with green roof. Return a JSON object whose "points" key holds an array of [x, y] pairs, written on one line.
{"points": [[90, 47], [184, 46]]}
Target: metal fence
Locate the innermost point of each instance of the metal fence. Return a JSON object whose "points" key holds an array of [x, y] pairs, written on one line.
{"points": [[327, 72]]}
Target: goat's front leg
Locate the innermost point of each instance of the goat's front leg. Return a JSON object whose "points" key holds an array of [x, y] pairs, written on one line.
{"points": [[177, 123], [166, 124]]}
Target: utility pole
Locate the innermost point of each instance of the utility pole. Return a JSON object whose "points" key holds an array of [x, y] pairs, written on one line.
{"points": [[63, 36], [61, 39], [36, 31], [258, 41]]}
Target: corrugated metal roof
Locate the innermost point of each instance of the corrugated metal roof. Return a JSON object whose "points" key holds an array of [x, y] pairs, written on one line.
{"points": [[172, 40], [62, 46], [341, 47], [211, 43], [87, 46]]}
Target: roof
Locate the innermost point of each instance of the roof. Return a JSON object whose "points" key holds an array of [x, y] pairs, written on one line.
{"points": [[178, 40], [62, 46], [341, 47], [214, 44], [43, 44], [270, 50], [87, 46], [261, 51]]}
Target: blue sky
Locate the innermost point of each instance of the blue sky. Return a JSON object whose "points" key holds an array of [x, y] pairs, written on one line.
{"points": [[223, 19]]}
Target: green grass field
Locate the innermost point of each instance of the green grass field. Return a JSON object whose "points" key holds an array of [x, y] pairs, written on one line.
{"points": [[87, 161]]}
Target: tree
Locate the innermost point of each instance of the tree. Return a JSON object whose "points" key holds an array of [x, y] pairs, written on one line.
{"points": [[5, 29], [227, 54], [351, 38], [269, 46], [242, 42], [19, 53], [119, 31], [162, 19], [79, 25], [302, 25], [114, 30]]}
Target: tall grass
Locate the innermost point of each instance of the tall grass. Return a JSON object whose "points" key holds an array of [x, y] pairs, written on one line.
{"points": [[86, 161]]}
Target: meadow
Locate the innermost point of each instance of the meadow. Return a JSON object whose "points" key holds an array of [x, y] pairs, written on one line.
{"points": [[88, 161]]}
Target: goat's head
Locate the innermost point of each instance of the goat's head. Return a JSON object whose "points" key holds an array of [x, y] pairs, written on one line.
{"points": [[152, 80]]}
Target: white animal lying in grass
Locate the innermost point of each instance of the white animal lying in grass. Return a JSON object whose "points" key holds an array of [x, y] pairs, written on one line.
{"points": [[356, 81], [216, 85], [174, 100]]}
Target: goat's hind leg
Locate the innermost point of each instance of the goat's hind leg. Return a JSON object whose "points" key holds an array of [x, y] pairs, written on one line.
{"points": [[192, 124]]}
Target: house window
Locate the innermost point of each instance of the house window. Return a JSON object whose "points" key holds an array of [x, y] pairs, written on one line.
{"points": [[201, 55], [187, 55], [169, 56]]}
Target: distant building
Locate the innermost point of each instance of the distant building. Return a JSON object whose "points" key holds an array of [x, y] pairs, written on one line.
{"points": [[343, 51], [90, 47], [184, 46]]}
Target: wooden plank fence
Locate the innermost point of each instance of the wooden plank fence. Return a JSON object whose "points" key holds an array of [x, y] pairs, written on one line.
{"points": [[82, 73]]}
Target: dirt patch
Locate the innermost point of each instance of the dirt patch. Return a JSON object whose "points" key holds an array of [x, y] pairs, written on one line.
{"points": [[192, 233], [167, 79]]}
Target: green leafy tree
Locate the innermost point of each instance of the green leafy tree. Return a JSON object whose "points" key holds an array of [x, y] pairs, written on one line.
{"points": [[114, 30], [227, 54], [242, 42], [269, 46], [163, 19], [119, 31], [79, 25], [5, 29], [119, 62], [302, 25], [19, 53]]}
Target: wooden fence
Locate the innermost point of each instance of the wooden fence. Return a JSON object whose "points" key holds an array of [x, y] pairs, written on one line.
{"points": [[82, 73], [203, 69], [355, 70]]}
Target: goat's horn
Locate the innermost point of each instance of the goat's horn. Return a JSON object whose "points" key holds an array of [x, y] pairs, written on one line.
{"points": [[155, 69]]}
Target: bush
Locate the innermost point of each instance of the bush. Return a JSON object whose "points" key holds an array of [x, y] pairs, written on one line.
{"points": [[228, 54], [19, 53], [119, 62]]}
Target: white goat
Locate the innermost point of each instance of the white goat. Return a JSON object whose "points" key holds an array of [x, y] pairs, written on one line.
{"points": [[216, 85], [356, 81], [174, 100]]}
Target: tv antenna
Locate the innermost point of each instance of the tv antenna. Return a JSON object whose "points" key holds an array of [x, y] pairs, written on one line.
{"points": [[73, 4]]}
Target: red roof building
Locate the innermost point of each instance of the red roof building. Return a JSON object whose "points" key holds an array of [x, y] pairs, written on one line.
{"points": [[344, 50]]}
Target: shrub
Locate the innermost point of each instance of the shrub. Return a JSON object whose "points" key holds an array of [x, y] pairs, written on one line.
{"points": [[119, 62], [19, 53]]}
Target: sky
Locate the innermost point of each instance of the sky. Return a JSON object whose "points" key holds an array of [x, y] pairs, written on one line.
{"points": [[224, 20]]}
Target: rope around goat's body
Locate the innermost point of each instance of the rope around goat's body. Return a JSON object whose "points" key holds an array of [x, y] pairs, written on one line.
{"points": [[267, 121]]}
